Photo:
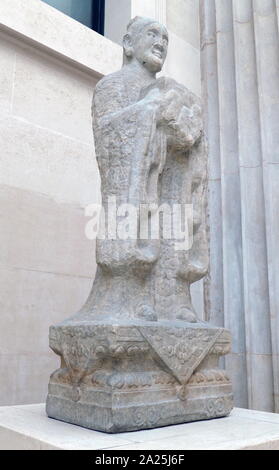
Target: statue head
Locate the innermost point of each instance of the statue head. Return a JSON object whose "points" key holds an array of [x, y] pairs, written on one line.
{"points": [[146, 42]]}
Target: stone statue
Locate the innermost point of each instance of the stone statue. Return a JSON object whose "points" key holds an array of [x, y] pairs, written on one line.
{"points": [[150, 150], [136, 356]]}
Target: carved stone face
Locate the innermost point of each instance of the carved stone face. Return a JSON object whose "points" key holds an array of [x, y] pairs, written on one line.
{"points": [[150, 47]]}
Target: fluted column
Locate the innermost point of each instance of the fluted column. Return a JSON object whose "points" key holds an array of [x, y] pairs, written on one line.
{"points": [[267, 53], [152, 8], [214, 297], [240, 75]]}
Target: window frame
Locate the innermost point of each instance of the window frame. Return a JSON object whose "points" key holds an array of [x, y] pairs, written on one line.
{"points": [[96, 19]]}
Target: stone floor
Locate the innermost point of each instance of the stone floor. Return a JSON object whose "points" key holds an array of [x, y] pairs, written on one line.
{"points": [[28, 428]]}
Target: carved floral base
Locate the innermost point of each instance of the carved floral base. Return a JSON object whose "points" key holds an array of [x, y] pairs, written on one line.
{"points": [[138, 375]]}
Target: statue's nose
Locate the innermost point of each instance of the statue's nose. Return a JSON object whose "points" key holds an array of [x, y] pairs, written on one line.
{"points": [[159, 44]]}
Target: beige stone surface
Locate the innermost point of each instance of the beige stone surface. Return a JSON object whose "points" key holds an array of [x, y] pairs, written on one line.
{"points": [[183, 19], [42, 161], [52, 236], [117, 16], [48, 176], [7, 69], [28, 428], [47, 95], [42, 25], [43, 433], [8, 368], [49, 65], [30, 301], [181, 52], [20, 371], [147, 8], [240, 64]]}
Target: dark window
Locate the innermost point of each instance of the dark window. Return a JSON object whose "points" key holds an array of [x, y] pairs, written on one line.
{"points": [[91, 13]]}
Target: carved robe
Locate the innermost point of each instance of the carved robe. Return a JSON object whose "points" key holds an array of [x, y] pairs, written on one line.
{"points": [[148, 155]]}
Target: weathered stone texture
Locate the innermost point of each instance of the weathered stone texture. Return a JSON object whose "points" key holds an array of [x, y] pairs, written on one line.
{"points": [[136, 356]]}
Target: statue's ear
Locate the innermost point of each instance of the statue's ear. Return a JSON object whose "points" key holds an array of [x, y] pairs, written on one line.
{"points": [[128, 46]]}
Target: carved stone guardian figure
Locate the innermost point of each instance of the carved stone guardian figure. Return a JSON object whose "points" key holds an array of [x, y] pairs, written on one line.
{"points": [[136, 356]]}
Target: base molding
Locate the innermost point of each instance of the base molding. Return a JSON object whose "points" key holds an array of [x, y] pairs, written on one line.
{"points": [[138, 375], [115, 419]]}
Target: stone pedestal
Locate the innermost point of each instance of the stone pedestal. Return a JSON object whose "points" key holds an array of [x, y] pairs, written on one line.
{"points": [[138, 375]]}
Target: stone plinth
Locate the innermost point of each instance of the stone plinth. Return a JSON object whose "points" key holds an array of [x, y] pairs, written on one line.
{"points": [[138, 375], [28, 428]]}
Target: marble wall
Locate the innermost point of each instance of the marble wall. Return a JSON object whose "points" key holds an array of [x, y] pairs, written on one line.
{"points": [[117, 16], [240, 83], [49, 65], [48, 175]]}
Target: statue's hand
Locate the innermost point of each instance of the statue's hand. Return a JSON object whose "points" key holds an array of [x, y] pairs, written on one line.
{"points": [[190, 124], [153, 98], [186, 130], [176, 111], [171, 106], [167, 105]]}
